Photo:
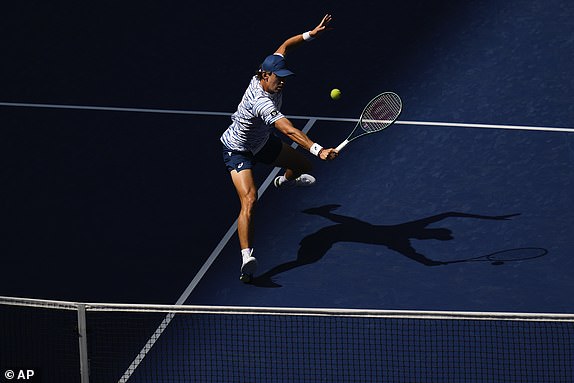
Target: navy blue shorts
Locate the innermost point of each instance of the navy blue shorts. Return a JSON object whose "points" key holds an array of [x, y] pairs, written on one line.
{"points": [[235, 160]]}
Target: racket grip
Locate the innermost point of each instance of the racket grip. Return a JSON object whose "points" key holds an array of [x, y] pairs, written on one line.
{"points": [[342, 145]]}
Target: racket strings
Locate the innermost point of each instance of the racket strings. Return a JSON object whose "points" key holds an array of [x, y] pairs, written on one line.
{"points": [[381, 112]]}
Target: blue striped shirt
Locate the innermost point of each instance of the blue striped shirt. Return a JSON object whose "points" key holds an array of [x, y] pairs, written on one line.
{"points": [[253, 121]]}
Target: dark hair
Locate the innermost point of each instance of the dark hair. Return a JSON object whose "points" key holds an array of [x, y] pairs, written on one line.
{"points": [[260, 73]]}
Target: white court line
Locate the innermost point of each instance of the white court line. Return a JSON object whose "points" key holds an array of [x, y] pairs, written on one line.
{"points": [[111, 109], [201, 273], [335, 119], [486, 126]]}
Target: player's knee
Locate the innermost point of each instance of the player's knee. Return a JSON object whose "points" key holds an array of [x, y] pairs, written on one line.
{"points": [[248, 202]]}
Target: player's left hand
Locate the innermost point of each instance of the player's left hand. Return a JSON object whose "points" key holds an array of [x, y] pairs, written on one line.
{"points": [[322, 26]]}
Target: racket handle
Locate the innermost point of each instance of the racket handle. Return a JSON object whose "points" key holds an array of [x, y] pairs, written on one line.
{"points": [[342, 145]]}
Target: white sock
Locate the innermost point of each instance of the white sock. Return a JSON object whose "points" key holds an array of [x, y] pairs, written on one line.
{"points": [[246, 252]]}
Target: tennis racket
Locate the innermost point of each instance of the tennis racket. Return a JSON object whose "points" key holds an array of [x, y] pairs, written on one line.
{"points": [[380, 113]]}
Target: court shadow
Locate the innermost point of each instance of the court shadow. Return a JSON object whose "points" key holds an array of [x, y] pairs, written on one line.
{"points": [[348, 229]]}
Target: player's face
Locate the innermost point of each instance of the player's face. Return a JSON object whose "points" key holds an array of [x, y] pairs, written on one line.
{"points": [[273, 83]]}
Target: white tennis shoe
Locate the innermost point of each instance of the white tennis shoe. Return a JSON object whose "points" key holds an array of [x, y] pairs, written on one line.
{"points": [[248, 267], [302, 180]]}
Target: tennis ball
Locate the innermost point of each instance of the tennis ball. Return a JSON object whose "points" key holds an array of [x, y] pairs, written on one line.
{"points": [[335, 94]]}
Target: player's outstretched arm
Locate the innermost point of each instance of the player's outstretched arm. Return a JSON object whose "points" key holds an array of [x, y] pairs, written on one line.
{"points": [[286, 127], [297, 40]]}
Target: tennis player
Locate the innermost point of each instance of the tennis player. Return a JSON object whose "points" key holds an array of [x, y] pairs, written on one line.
{"points": [[250, 139]]}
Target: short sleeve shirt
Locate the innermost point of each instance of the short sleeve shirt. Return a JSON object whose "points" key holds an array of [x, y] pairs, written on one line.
{"points": [[253, 121]]}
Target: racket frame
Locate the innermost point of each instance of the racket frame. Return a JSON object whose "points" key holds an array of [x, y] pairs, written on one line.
{"points": [[351, 138]]}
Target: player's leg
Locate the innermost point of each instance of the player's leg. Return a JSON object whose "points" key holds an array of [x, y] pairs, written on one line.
{"points": [[296, 166], [247, 191]]}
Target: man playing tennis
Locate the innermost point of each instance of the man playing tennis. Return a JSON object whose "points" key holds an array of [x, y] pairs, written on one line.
{"points": [[249, 140]]}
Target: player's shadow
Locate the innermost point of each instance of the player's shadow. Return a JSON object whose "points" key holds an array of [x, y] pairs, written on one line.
{"points": [[348, 229]]}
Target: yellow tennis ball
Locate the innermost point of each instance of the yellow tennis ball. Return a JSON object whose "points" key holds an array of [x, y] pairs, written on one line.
{"points": [[335, 94]]}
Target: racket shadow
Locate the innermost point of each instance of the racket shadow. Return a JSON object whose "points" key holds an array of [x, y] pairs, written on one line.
{"points": [[501, 257], [349, 229]]}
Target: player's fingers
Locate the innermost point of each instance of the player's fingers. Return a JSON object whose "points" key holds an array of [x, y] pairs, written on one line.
{"points": [[326, 20]]}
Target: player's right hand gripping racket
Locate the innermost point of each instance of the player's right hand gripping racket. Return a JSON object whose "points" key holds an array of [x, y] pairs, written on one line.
{"points": [[380, 113]]}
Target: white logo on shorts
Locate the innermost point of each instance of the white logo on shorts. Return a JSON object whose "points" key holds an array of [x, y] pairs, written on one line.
{"points": [[240, 166]]}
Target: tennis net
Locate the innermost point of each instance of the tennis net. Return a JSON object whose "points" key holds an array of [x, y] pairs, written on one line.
{"points": [[151, 343]]}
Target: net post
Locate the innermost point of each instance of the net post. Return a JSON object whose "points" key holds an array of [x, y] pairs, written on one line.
{"points": [[83, 343]]}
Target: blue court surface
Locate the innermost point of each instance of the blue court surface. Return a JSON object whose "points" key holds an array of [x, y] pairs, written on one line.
{"points": [[114, 190], [382, 218]]}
